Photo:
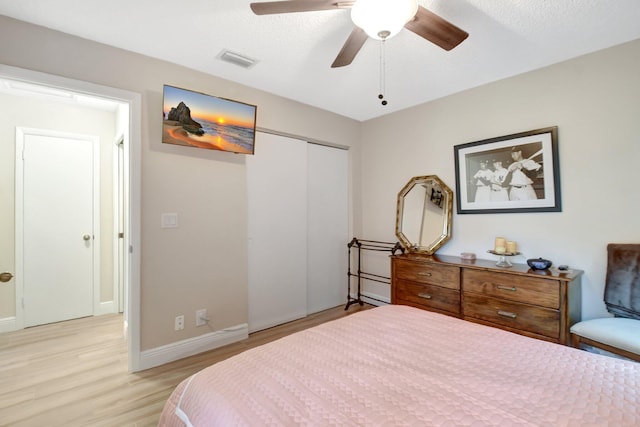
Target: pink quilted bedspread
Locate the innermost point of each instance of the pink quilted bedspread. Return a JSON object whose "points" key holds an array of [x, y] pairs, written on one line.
{"points": [[401, 366]]}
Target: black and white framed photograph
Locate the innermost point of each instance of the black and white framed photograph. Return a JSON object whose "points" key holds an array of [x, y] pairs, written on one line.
{"points": [[512, 173]]}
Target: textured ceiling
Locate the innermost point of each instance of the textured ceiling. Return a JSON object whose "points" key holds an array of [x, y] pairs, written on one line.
{"points": [[295, 51]]}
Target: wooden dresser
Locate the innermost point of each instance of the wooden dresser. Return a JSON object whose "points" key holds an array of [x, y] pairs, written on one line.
{"points": [[539, 304]]}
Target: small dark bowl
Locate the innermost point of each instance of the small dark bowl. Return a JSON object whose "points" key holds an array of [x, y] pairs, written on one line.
{"points": [[539, 263]]}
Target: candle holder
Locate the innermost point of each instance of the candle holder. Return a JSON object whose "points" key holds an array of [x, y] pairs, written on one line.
{"points": [[504, 261]]}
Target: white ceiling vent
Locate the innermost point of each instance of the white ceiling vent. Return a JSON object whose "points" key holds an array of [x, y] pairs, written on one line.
{"points": [[236, 59]]}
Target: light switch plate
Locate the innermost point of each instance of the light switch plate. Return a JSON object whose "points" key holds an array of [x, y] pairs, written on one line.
{"points": [[169, 220]]}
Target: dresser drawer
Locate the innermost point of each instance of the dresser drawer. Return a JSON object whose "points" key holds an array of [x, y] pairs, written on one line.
{"points": [[424, 296], [530, 290], [425, 272], [537, 320]]}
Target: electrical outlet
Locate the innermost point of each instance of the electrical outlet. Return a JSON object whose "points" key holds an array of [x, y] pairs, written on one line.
{"points": [[179, 323], [201, 317]]}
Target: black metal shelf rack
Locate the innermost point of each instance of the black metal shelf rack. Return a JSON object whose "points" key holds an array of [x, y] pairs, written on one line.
{"points": [[366, 245]]}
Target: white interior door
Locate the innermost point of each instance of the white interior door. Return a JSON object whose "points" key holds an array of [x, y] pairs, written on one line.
{"points": [[56, 230], [277, 225], [328, 227]]}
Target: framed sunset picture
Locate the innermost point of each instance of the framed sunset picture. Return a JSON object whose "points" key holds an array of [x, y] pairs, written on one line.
{"points": [[195, 119]]}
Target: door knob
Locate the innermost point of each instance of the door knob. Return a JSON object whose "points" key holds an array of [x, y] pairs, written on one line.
{"points": [[86, 237], [6, 276]]}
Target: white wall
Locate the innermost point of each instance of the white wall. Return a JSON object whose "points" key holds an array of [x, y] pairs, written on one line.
{"points": [[595, 102]]}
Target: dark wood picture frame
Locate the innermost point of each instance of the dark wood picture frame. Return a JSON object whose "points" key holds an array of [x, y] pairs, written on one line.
{"points": [[508, 174]]}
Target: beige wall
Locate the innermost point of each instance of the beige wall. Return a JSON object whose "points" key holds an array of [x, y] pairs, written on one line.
{"points": [[203, 263], [595, 102], [62, 117]]}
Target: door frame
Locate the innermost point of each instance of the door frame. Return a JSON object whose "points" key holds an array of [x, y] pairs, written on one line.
{"points": [[21, 134], [119, 207], [133, 140]]}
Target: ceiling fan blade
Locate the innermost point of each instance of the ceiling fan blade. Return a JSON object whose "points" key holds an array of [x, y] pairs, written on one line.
{"points": [[435, 29], [351, 48], [291, 6]]}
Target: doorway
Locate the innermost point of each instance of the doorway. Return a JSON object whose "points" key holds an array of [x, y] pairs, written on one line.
{"points": [[126, 235]]}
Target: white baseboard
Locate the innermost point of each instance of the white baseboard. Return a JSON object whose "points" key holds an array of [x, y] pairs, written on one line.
{"points": [[191, 346], [373, 299], [7, 324], [105, 307]]}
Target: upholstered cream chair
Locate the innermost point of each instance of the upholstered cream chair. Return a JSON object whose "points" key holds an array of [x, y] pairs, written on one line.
{"points": [[619, 334]]}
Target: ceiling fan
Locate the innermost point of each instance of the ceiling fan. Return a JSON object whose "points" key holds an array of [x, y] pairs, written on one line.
{"points": [[379, 19]]}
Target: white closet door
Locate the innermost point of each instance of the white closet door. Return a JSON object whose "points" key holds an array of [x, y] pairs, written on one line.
{"points": [[277, 222], [328, 227]]}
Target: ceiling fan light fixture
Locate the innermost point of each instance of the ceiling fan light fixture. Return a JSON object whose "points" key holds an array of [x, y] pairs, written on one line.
{"points": [[383, 19]]}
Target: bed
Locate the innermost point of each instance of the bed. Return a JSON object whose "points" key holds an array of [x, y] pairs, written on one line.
{"points": [[401, 366]]}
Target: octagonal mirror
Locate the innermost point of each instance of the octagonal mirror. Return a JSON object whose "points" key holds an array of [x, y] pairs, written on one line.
{"points": [[424, 215]]}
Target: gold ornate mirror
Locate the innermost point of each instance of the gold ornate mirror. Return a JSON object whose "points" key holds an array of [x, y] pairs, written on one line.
{"points": [[424, 215]]}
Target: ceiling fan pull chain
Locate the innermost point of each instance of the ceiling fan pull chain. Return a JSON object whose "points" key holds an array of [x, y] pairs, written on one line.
{"points": [[382, 72]]}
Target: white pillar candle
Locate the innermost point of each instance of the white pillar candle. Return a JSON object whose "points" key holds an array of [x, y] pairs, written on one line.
{"points": [[500, 245], [512, 247]]}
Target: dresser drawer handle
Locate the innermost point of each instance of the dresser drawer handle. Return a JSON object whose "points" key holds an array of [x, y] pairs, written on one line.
{"points": [[424, 274], [507, 314], [507, 288], [425, 296]]}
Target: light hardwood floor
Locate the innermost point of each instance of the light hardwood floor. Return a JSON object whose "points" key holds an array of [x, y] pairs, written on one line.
{"points": [[75, 373]]}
